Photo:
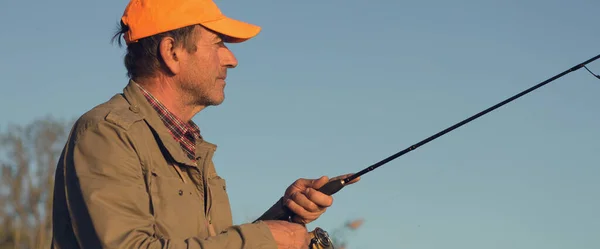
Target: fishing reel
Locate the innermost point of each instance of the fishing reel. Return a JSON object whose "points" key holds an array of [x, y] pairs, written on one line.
{"points": [[319, 239]]}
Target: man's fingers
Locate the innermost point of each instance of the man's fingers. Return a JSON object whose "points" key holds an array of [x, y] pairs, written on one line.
{"points": [[318, 183], [300, 211], [312, 200], [318, 198], [302, 200], [303, 183]]}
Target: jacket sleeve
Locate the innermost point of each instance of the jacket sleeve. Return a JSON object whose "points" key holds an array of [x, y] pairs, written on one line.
{"points": [[276, 212], [109, 205]]}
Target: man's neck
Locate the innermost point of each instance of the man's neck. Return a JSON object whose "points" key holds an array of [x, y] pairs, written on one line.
{"points": [[169, 95]]}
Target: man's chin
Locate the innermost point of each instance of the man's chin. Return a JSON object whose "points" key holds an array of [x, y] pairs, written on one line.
{"points": [[213, 99], [216, 102]]}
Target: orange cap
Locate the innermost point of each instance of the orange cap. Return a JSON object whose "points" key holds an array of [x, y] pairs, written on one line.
{"points": [[150, 17]]}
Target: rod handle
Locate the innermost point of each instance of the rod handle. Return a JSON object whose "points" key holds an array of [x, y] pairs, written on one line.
{"points": [[332, 187]]}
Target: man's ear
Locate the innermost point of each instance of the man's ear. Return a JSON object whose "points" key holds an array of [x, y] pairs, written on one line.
{"points": [[170, 54]]}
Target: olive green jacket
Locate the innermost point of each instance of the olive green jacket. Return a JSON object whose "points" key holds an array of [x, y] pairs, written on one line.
{"points": [[122, 181]]}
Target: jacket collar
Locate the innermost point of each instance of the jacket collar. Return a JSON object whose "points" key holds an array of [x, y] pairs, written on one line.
{"points": [[139, 104]]}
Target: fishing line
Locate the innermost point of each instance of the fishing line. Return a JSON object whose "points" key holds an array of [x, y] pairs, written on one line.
{"points": [[597, 76]]}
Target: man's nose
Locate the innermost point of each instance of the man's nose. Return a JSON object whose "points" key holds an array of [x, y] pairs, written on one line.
{"points": [[229, 59]]}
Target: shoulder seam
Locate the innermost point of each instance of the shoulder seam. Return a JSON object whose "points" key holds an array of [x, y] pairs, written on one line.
{"points": [[123, 117]]}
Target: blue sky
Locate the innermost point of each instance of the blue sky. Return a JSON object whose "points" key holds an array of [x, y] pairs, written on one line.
{"points": [[330, 87]]}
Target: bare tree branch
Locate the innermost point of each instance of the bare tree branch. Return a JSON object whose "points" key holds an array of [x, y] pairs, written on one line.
{"points": [[28, 161]]}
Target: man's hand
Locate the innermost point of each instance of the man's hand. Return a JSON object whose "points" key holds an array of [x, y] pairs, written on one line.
{"points": [[289, 235], [306, 202]]}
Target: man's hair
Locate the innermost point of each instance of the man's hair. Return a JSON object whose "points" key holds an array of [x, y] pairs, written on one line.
{"points": [[143, 57]]}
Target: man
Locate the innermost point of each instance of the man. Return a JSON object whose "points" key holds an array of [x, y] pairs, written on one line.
{"points": [[135, 171]]}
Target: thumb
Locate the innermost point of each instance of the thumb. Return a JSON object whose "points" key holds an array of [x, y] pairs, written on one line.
{"points": [[302, 184], [318, 183]]}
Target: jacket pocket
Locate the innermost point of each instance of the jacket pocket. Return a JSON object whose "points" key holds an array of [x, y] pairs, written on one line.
{"points": [[178, 209], [220, 211]]}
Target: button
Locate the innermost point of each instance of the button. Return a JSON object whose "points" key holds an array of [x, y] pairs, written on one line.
{"points": [[134, 109], [180, 192]]}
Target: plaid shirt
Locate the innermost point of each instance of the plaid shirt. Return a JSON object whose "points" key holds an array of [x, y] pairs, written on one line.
{"points": [[184, 133]]}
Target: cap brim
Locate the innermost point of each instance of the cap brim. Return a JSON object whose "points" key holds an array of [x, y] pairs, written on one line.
{"points": [[234, 31]]}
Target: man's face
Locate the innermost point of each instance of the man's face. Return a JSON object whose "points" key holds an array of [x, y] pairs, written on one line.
{"points": [[203, 72]]}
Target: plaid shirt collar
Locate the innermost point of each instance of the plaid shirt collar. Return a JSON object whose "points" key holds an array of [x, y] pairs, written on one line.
{"points": [[185, 133]]}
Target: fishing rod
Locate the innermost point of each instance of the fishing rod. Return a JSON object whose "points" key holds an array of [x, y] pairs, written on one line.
{"points": [[332, 187], [335, 186]]}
